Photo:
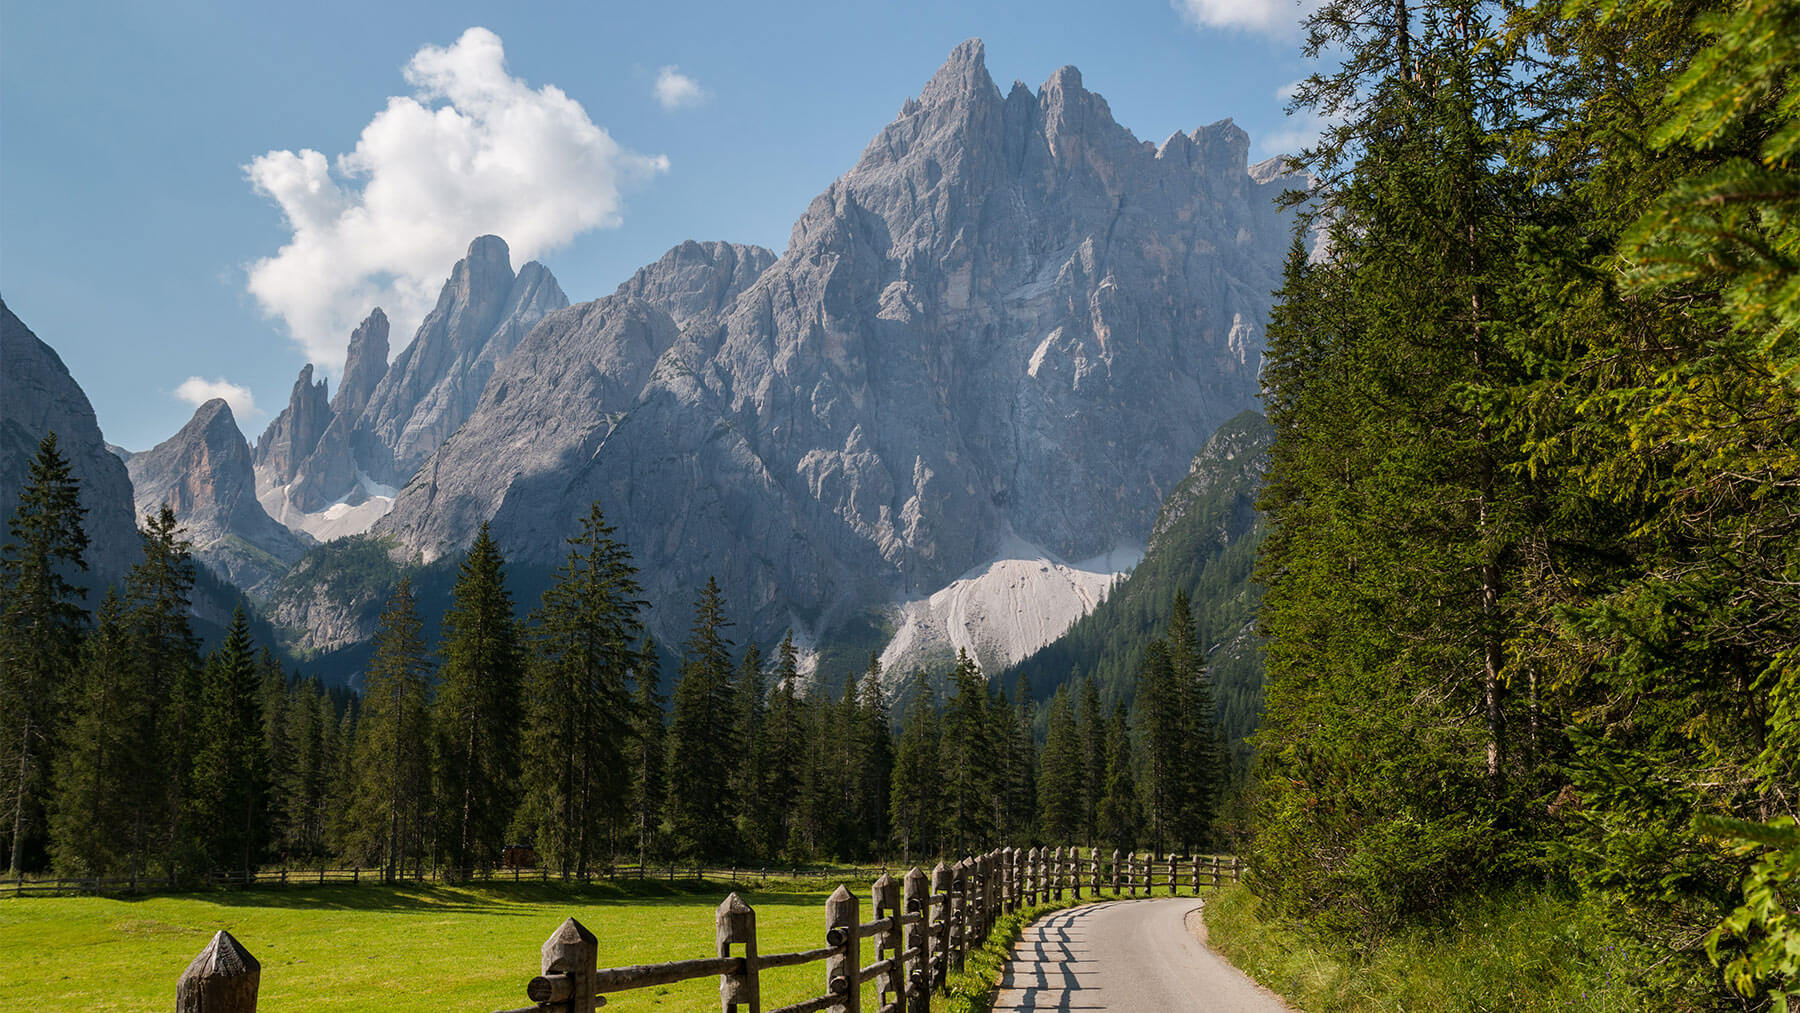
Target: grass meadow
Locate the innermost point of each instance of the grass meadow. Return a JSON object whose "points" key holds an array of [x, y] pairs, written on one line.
{"points": [[426, 948]]}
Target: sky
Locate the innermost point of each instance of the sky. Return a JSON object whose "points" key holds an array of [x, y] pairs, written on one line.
{"points": [[197, 199]]}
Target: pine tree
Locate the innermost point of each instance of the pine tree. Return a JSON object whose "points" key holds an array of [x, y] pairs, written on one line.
{"points": [[304, 795], [1202, 762], [1091, 725], [702, 749], [390, 799], [1120, 817], [98, 825], [966, 761], [751, 815], [649, 755], [41, 625], [228, 791], [873, 739], [168, 659], [1060, 795], [477, 710], [785, 751], [915, 805], [577, 710]]}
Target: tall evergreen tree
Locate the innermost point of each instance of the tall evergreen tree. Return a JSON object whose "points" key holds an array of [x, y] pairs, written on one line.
{"points": [[578, 701], [649, 756], [228, 794], [784, 751], [477, 710], [702, 746], [966, 763], [41, 625], [98, 825], [915, 805], [390, 800], [750, 809], [1091, 725], [1060, 790], [873, 739], [1120, 818], [158, 589]]}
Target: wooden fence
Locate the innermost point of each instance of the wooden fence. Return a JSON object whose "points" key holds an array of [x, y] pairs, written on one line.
{"points": [[923, 927], [358, 875]]}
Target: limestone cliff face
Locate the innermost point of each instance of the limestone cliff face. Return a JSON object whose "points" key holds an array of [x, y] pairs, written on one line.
{"points": [[205, 474], [38, 397], [1011, 319], [326, 467]]}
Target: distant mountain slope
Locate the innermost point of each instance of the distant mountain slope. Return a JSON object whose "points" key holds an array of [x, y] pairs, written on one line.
{"points": [[38, 396], [331, 466], [1010, 318], [1204, 542], [204, 473]]}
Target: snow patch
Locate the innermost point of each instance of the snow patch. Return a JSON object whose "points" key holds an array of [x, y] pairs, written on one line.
{"points": [[339, 520], [1003, 610]]}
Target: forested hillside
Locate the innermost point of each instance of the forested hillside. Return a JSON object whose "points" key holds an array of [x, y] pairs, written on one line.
{"points": [[1533, 577], [1204, 546]]}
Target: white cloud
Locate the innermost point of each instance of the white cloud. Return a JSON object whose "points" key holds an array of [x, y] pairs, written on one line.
{"points": [[196, 390], [675, 89], [473, 151], [1278, 18]]}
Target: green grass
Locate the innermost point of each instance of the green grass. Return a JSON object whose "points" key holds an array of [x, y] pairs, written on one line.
{"points": [[424, 948], [1521, 953]]}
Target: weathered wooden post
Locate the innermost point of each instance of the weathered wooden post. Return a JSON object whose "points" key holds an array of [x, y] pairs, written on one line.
{"points": [[1195, 859], [942, 889], [1056, 874], [890, 985], [736, 924], [1174, 864], [1075, 871], [222, 979], [569, 958], [842, 967], [1094, 857], [916, 898], [1115, 872]]}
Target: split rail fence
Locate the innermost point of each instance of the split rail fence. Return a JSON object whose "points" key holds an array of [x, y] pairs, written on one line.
{"points": [[922, 926]]}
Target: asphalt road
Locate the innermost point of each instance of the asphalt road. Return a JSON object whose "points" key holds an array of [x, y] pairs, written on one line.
{"points": [[1126, 955]]}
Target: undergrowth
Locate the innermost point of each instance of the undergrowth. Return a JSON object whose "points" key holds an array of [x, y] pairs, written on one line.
{"points": [[1521, 952]]}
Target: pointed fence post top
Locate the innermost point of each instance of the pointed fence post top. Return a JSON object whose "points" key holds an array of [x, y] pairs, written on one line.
{"points": [[735, 920], [222, 979]]}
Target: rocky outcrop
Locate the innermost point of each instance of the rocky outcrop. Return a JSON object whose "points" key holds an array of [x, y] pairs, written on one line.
{"points": [[204, 473], [434, 383], [39, 397], [1010, 318], [332, 474]]}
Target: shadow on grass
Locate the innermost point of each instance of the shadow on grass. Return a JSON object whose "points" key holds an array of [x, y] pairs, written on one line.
{"points": [[524, 899]]}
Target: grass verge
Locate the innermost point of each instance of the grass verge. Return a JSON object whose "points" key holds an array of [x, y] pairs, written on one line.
{"points": [[1523, 952]]}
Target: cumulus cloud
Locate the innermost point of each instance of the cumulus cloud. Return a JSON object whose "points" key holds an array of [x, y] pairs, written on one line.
{"points": [[675, 89], [472, 151], [1278, 18], [197, 390]]}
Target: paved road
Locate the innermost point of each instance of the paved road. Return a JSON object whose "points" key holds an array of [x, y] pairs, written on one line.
{"points": [[1125, 956]]}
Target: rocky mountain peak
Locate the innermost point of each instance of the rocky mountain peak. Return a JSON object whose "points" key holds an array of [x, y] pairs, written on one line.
{"points": [[962, 77], [694, 282], [292, 434], [365, 363], [205, 474]]}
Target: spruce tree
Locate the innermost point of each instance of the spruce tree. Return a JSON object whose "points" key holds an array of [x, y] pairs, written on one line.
{"points": [[228, 793], [750, 810], [966, 765], [873, 737], [578, 701], [390, 799], [41, 625], [785, 751], [1060, 775], [1120, 817], [167, 654], [649, 755], [1091, 729], [702, 746], [98, 824], [915, 806], [476, 713]]}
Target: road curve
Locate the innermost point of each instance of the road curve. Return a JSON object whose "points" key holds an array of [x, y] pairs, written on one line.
{"points": [[1125, 956]]}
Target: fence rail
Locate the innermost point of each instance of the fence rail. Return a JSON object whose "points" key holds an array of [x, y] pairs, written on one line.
{"points": [[360, 875], [922, 926]]}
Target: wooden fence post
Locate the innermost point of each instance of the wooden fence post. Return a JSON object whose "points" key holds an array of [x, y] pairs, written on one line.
{"points": [[1115, 872], [842, 966], [943, 889], [1094, 857], [1195, 859], [569, 958], [1173, 865], [916, 898], [736, 924], [890, 985], [1075, 871], [222, 979]]}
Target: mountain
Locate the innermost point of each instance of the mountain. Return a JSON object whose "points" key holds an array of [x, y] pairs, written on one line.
{"points": [[1204, 543], [328, 466], [37, 397], [999, 335], [204, 473]]}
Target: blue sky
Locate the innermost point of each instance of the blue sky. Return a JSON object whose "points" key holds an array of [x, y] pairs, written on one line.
{"points": [[131, 226]]}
